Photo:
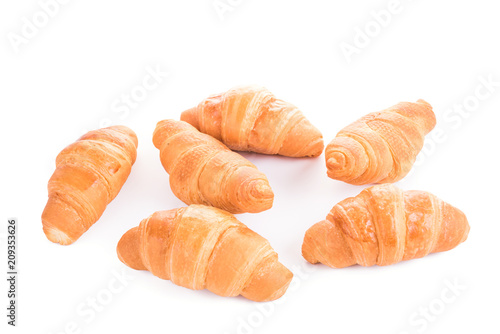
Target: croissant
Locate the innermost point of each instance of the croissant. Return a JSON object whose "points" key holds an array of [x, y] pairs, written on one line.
{"points": [[250, 118], [384, 225], [204, 171], [89, 174], [380, 147], [201, 247]]}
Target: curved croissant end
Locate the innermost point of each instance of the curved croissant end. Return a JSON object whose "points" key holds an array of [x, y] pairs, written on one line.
{"points": [[380, 147], [191, 116], [384, 225], [254, 192], [201, 247], [346, 159], [89, 174], [128, 249], [250, 118]]}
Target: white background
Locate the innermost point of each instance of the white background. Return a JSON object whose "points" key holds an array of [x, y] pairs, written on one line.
{"points": [[66, 78]]}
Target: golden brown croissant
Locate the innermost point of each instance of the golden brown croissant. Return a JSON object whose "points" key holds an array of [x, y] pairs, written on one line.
{"points": [[384, 225], [380, 147], [89, 174], [201, 247], [250, 118], [204, 171]]}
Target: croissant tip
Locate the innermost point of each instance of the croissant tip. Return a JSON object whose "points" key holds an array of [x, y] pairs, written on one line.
{"points": [[56, 236], [260, 196], [308, 246], [336, 161], [316, 148], [262, 190], [190, 116], [307, 252], [422, 101], [281, 291], [127, 249]]}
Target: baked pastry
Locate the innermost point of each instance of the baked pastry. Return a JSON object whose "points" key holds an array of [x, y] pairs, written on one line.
{"points": [[201, 247], [89, 174], [204, 171], [251, 118], [384, 225], [380, 147]]}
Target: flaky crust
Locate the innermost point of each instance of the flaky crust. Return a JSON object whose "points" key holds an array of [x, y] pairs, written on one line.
{"points": [[204, 171], [384, 225], [380, 147], [89, 174], [250, 118], [201, 247]]}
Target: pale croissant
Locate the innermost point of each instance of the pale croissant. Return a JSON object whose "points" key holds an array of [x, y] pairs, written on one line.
{"points": [[204, 171], [380, 147], [250, 118], [384, 225], [89, 174], [201, 247]]}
